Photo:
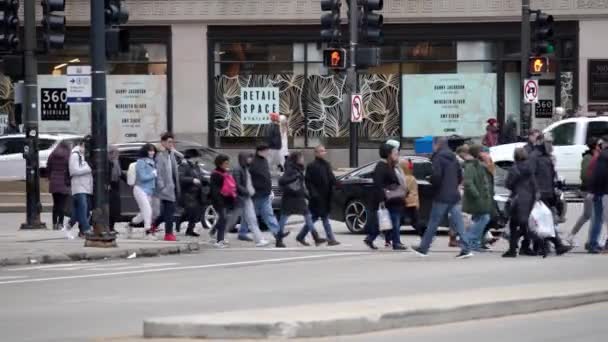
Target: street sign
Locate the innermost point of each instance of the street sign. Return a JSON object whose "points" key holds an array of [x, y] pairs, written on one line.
{"points": [[543, 109], [356, 111], [54, 106], [79, 88], [531, 91]]}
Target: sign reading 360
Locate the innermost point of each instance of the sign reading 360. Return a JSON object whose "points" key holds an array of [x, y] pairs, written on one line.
{"points": [[54, 104]]}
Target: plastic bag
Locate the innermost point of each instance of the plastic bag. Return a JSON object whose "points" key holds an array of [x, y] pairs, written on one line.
{"points": [[541, 221], [384, 219]]}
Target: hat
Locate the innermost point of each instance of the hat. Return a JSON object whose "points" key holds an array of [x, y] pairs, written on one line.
{"points": [[491, 121], [393, 143]]}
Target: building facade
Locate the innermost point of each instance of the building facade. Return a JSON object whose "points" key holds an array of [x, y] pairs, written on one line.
{"points": [[460, 54]]}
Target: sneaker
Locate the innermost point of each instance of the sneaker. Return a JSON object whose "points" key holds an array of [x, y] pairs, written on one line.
{"points": [[563, 250], [170, 237], [262, 243], [333, 243], [245, 238], [419, 252], [400, 247], [464, 255], [303, 242], [192, 233], [280, 244], [370, 244], [219, 244], [152, 230]]}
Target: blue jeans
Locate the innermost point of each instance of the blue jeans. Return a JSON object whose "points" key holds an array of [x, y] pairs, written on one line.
{"points": [[371, 226], [80, 212], [309, 225], [329, 234], [597, 220], [476, 230], [438, 212], [167, 215], [263, 207]]}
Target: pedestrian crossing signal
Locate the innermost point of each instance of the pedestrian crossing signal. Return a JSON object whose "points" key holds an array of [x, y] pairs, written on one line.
{"points": [[538, 65], [334, 59]]}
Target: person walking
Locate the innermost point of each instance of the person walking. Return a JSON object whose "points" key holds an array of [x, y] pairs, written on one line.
{"points": [[390, 191], [295, 196], [114, 176], [520, 181], [320, 182], [58, 169], [81, 183], [599, 188], [284, 127], [275, 143], [509, 131], [594, 146], [477, 198], [545, 178], [412, 198], [245, 207], [167, 185], [445, 180], [262, 202], [192, 199], [145, 184], [223, 196], [492, 132], [533, 139]]}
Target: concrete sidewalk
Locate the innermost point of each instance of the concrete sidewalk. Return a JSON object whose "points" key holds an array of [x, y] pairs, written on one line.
{"points": [[349, 318]]}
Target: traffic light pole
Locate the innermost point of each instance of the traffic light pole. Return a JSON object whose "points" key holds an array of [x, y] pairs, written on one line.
{"points": [[30, 151], [526, 108], [352, 76], [99, 146]]}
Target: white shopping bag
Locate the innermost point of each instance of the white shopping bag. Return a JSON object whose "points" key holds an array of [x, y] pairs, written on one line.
{"points": [[384, 219], [541, 221]]}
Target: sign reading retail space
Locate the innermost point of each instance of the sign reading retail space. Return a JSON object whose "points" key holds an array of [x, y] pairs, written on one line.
{"points": [[447, 104], [531, 91], [257, 103], [79, 88], [356, 110]]}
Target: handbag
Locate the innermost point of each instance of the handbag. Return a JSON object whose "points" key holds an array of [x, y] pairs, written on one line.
{"points": [[384, 219], [396, 194]]}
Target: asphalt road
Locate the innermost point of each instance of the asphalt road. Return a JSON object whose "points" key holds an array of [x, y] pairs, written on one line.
{"points": [[84, 301]]}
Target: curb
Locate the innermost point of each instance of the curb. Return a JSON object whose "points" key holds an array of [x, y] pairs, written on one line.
{"points": [[280, 325], [97, 254]]}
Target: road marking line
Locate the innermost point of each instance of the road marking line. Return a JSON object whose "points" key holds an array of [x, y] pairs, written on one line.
{"points": [[12, 277], [181, 268], [49, 266], [133, 267]]}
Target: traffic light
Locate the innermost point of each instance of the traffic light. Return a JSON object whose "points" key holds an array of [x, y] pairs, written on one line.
{"points": [[538, 65], [542, 35], [334, 59], [53, 23], [330, 21], [9, 34], [117, 39], [371, 23]]}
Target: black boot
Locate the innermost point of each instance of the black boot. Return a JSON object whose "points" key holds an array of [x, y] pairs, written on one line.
{"points": [[510, 254], [279, 240], [190, 232], [318, 240]]}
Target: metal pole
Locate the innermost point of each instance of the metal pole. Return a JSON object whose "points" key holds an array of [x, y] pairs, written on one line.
{"points": [[526, 108], [352, 76], [30, 151], [99, 146]]}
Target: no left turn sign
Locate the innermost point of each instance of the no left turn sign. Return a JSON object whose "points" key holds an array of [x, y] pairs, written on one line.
{"points": [[531, 91], [356, 110]]}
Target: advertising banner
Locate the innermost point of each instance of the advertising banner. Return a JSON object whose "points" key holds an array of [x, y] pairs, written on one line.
{"points": [[257, 103], [447, 104], [136, 104]]}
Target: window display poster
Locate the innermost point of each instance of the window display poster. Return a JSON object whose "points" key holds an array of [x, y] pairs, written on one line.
{"points": [[447, 104], [257, 103], [136, 105], [3, 123]]}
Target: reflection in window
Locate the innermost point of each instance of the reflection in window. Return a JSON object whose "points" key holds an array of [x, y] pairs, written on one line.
{"points": [[429, 50]]}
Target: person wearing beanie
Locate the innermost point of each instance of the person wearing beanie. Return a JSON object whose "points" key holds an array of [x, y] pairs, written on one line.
{"points": [[477, 197]]}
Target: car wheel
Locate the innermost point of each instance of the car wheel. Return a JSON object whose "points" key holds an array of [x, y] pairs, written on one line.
{"points": [[210, 217], [355, 216]]}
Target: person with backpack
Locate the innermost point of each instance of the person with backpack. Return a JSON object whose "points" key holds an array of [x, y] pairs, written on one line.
{"points": [[142, 176], [295, 195], [58, 169], [223, 196], [81, 182]]}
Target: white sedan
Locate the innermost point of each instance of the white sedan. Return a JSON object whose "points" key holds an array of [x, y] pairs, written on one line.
{"points": [[12, 163], [569, 140]]}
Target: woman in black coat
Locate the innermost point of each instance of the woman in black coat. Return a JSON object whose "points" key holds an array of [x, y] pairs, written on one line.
{"points": [[386, 178], [294, 200], [191, 181], [520, 180]]}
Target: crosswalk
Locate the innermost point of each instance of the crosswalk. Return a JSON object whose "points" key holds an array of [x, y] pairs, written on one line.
{"points": [[84, 266]]}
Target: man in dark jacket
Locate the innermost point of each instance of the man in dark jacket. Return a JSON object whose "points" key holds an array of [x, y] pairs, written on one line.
{"points": [[599, 188], [320, 181], [262, 184], [530, 146], [190, 177], [445, 179], [275, 159]]}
